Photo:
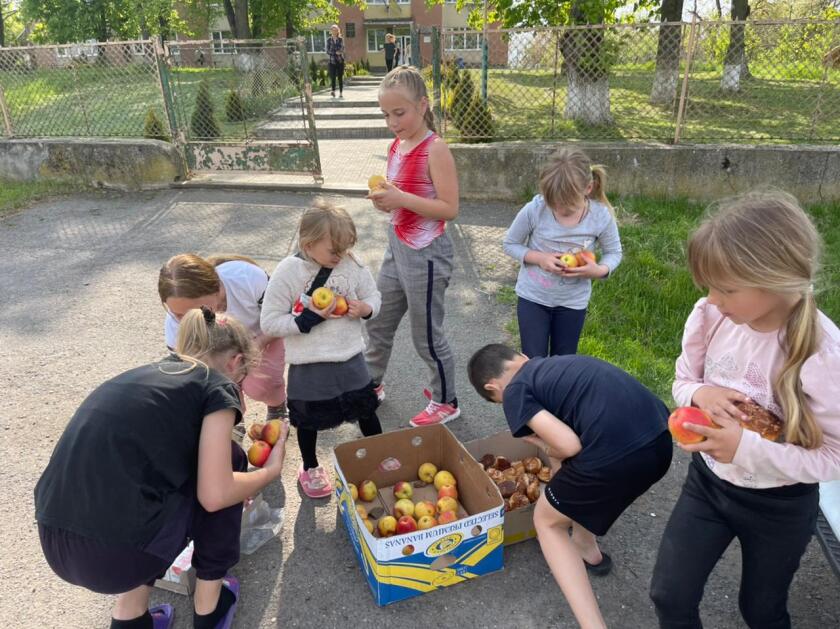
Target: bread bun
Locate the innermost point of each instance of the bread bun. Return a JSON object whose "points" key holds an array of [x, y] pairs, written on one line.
{"points": [[760, 420]]}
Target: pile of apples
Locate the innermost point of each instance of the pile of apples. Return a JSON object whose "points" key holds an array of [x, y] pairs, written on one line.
{"points": [[410, 516], [574, 258], [518, 481], [264, 436], [323, 297]]}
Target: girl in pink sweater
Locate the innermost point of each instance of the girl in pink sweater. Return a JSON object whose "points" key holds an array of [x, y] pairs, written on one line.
{"points": [[758, 336]]}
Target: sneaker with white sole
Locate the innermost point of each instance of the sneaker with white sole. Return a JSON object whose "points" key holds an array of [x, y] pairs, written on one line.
{"points": [[435, 413], [380, 393], [315, 482]]}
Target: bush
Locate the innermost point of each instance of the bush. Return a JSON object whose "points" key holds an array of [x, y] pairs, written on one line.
{"points": [[461, 96], [153, 127], [313, 71], [477, 122], [203, 122], [349, 70], [322, 77], [234, 108]]}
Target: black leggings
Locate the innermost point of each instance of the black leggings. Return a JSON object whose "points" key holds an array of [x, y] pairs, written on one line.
{"points": [[548, 331], [308, 439], [773, 526], [337, 71]]}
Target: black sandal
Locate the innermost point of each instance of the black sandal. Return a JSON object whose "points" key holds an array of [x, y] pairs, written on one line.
{"points": [[600, 569]]}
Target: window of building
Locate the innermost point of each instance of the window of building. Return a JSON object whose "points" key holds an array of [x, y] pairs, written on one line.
{"points": [[350, 30], [388, 1], [316, 41], [376, 39], [221, 45], [463, 41]]}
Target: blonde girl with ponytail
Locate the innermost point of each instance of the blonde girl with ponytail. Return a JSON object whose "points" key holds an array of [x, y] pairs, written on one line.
{"points": [[420, 197], [150, 452], [756, 338]]}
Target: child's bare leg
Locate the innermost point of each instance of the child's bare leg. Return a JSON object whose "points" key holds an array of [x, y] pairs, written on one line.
{"points": [[587, 544], [206, 595], [563, 558], [132, 604]]}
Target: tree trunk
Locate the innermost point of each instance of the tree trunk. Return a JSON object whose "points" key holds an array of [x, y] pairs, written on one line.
{"points": [[2, 28], [735, 62], [588, 92], [231, 15], [667, 73], [102, 30], [290, 22], [243, 26]]}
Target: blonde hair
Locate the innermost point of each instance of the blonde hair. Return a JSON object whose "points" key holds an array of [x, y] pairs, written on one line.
{"points": [[765, 240], [204, 334], [389, 37], [190, 276], [566, 176], [325, 219], [336, 27], [409, 79]]}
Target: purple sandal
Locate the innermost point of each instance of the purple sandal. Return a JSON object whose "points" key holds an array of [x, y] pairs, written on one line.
{"points": [[162, 616], [231, 583]]}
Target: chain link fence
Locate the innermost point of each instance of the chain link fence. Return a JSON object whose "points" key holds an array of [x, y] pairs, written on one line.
{"points": [[699, 82]]}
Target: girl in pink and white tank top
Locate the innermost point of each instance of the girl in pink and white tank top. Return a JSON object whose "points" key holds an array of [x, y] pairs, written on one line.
{"points": [[420, 196]]}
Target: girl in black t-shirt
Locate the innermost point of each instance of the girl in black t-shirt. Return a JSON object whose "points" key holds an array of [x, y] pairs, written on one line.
{"points": [[147, 464]]}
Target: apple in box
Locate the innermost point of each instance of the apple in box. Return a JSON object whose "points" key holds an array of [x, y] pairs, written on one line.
{"points": [[406, 524], [688, 415], [387, 525], [367, 491], [444, 478], [448, 491], [426, 472], [403, 507], [424, 508], [403, 490]]}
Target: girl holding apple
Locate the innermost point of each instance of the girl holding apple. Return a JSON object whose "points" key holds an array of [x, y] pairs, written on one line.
{"points": [[235, 285], [329, 382], [420, 196], [145, 465], [571, 214], [757, 337]]}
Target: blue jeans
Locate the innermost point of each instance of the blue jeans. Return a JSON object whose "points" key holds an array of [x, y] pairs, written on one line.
{"points": [[548, 331]]}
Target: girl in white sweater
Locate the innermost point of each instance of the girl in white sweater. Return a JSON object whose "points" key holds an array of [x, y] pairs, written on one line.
{"points": [[328, 381]]}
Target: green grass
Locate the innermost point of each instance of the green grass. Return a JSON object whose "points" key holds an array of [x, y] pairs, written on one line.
{"points": [[113, 102], [636, 317], [15, 194], [769, 108]]}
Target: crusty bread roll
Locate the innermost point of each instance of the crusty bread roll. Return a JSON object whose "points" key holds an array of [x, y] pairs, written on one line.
{"points": [[761, 420]]}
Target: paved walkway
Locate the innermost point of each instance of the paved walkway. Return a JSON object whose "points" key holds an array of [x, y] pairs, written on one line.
{"points": [[79, 305]]}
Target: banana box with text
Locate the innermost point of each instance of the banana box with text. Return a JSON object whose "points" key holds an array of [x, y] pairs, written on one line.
{"points": [[401, 566]]}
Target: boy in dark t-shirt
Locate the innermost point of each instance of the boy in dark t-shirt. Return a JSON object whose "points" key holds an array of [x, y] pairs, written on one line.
{"points": [[610, 434]]}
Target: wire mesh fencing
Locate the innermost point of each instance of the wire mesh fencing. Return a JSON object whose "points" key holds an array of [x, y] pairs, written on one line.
{"points": [[700, 81]]}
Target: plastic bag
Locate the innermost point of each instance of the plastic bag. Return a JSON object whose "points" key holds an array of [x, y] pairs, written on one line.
{"points": [[259, 526]]}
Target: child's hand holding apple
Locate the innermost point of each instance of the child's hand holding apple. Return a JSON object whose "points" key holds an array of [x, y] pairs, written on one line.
{"points": [[358, 309]]}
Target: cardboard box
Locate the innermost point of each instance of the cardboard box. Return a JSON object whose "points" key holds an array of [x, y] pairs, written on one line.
{"points": [[403, 566], [180, 576], [519, 524]]}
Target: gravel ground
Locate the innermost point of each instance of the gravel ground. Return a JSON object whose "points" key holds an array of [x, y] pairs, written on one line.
{"points": [[79, 305]]}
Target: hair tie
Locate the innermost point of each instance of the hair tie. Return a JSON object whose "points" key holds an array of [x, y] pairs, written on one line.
{"points": [[209, 315]]}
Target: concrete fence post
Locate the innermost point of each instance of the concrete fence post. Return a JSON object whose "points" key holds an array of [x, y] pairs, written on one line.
{"points": [[7, 118]]}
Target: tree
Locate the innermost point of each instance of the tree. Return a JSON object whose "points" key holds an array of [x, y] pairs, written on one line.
{"points": [[668, 47], [203, 124], [735, 64]]}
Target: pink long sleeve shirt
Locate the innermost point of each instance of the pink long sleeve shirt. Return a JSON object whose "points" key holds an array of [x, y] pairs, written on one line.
{"points": [[718, 352]]}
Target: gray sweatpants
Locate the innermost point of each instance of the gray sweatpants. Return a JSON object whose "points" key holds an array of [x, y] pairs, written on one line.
{"points": [[414, 281]]}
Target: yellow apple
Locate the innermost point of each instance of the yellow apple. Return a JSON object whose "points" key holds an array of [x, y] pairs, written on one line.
{"points": [[367, 491], [444, 478], [424, 507], [447, 503], [403, 489], [403, 507], [362, 512], [368, 525], [322, 297], [387, 526], [427, 472], [426, 522], [354, 492]]}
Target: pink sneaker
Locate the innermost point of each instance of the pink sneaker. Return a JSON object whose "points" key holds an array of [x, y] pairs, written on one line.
{"points": [[315, 482], [435, 413], [380, 393]]}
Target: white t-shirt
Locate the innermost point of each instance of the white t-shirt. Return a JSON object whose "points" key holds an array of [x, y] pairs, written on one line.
{"points": [[245, 286]]}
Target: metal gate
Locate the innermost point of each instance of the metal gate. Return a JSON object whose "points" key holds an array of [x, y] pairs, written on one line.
{"points": [[241, 105]]}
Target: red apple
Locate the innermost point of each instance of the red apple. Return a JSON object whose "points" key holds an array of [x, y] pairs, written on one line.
{"points": [[255, 431], [341, 306], [447, 503], [406, 524], [584, 256], [402, 490], [424, 507], [447, 516], [403, 507], [448, 491], [426, 522], [258, 453], [271, 431], [387, 525], [688, 415], [367, 491]]}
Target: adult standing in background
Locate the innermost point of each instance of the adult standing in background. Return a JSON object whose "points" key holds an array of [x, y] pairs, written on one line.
{"points": [[335, 53], [390, 51]]}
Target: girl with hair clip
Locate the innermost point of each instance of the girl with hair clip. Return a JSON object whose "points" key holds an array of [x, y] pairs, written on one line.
{"points": [[420, 196], [235, 285], [145, 465], [328, 380], [756, 339], [571, 213]]}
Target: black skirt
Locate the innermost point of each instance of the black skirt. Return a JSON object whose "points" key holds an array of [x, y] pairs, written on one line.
{"points": [[595, 498], [325, 395]]}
